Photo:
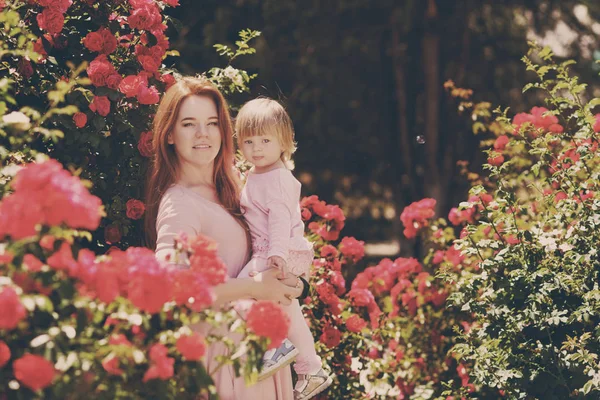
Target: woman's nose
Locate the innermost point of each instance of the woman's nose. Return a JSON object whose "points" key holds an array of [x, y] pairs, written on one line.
{"points": [[201, 131]]}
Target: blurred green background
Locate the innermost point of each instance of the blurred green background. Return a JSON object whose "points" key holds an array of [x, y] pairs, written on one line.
{"points": [[363, 79]]}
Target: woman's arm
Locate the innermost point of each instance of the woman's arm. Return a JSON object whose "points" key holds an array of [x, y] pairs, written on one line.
{"points": [[262, 286]]}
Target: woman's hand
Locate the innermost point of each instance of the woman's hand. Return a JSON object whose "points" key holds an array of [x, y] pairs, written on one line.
{"points": [[273, 289]]}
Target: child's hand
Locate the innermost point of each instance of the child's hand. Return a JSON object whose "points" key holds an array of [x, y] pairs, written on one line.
{"points": [[280, 264]]}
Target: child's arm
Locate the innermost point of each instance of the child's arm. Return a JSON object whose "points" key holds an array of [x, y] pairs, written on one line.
{"points": [[280, 207], [279, 236]]}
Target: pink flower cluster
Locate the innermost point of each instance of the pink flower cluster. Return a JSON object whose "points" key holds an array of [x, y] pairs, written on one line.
{"points": [[267, 319], [404, 280], [416, 216], [333, 217], [52, 18], [539, 119], [47, 194], [458, 217]]}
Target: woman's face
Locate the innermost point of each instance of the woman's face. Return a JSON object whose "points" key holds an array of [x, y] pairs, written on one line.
{"points": [[197, 134]]}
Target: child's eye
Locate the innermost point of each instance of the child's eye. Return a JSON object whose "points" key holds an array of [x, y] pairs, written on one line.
{"points": [[266, 140], [248, 141]]}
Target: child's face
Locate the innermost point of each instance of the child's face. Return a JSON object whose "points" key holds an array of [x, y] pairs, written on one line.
{"points": [[263, 151]]}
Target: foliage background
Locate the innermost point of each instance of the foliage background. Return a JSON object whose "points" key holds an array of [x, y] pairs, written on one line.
{"points": [[363, 79]]}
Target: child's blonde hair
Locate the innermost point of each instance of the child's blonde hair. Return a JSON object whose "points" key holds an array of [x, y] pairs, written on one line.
{"points": [[264, 116]]}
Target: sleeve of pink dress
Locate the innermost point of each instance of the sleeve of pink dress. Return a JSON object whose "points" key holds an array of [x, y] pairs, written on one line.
{"points": [[281, 202], [181, 209]]}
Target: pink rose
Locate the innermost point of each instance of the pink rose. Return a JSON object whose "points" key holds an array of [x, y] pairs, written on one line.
{"points": [[135, 209], [148, 95], [80, 119], [101, 105], [51, 20], [145, 144]]}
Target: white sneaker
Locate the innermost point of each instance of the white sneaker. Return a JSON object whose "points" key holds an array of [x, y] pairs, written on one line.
{"points": [[278, 358], [308, 386]]}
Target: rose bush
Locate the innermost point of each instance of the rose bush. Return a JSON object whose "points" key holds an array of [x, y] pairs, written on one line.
{"points": [[124, 53], [533, 296], [72, 322]]}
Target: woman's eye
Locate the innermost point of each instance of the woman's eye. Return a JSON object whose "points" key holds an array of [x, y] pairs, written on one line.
{"points": [[188, 124], [213, 123]]}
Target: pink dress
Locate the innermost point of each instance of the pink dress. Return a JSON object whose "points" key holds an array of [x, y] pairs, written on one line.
{"points": [[271, 205], [183, 210]]}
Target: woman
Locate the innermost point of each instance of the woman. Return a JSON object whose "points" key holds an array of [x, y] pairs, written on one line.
{"points": [[192, 189]]}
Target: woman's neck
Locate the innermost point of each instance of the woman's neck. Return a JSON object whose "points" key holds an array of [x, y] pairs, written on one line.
{"points": [[191, 176]]}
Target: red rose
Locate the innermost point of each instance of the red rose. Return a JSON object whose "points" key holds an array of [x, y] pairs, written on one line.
{"points": [[161, 366], [306, 214], [38, 47], [130, 85], [191, 347], [101, 105], [361, 297], [168, 80], [496, 160], [145, 144], [145, 17], [112, 234], [113, 81], [329, 251], [6, 257], [80, 119], [135, 209], [4, 354], [51, 20], [140, 3], [47, 242], [331, 337], [32, 263], [12, 309], [268, 320], [59, 5], [172, 3], [149, 63], [501, 142], [556, 128], [416, 215], [93, 41], [356, 324], [63, 260], [111, 365], [150, 288], [148, 95], [99, 70], [188, 284], [109, 41], [33, 371], [25, 68], [352, 248]]}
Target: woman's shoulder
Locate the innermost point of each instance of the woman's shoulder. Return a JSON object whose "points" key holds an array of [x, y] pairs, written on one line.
{"points": [[175, 196]]}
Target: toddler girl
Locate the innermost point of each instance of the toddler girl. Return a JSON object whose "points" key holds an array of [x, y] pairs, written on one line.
{"points": [[270, 202]]}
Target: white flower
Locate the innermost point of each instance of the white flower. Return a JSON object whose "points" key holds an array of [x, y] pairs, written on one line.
{"points": [[18, 120]]}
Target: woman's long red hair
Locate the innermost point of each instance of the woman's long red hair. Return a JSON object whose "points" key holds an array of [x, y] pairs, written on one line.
{"points": [[164, 168]]}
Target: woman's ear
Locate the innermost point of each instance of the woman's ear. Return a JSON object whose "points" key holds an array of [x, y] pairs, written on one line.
{"points": [[170, 139]]}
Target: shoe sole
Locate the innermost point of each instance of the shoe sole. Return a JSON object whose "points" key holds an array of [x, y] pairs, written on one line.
{"points": [[285, 361], [319, 389]]}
